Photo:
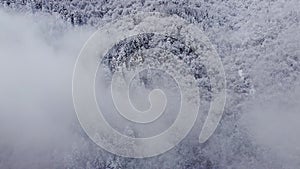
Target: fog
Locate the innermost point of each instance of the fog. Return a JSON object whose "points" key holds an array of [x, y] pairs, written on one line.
{"points": [[38, 53], [273, 124]]}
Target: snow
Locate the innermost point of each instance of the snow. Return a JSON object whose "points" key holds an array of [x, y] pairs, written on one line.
{"points": [[257, 40]]}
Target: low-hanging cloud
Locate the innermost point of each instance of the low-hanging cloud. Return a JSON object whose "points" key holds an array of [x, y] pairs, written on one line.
{"points": [[273, 125], [37, 54]]}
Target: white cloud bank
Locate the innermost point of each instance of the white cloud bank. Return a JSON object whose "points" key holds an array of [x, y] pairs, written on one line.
{"points": [[36, 111]]}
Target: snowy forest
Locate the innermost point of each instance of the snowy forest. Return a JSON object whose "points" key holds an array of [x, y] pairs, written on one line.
{"points": [[258, 42]]}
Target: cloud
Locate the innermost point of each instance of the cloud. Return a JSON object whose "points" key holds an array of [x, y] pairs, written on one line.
{"points": [[273, 124], [38, 53]]}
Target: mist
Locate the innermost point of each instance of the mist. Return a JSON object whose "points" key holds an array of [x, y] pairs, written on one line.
{"points": [[273, 124], [38, 53]]}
